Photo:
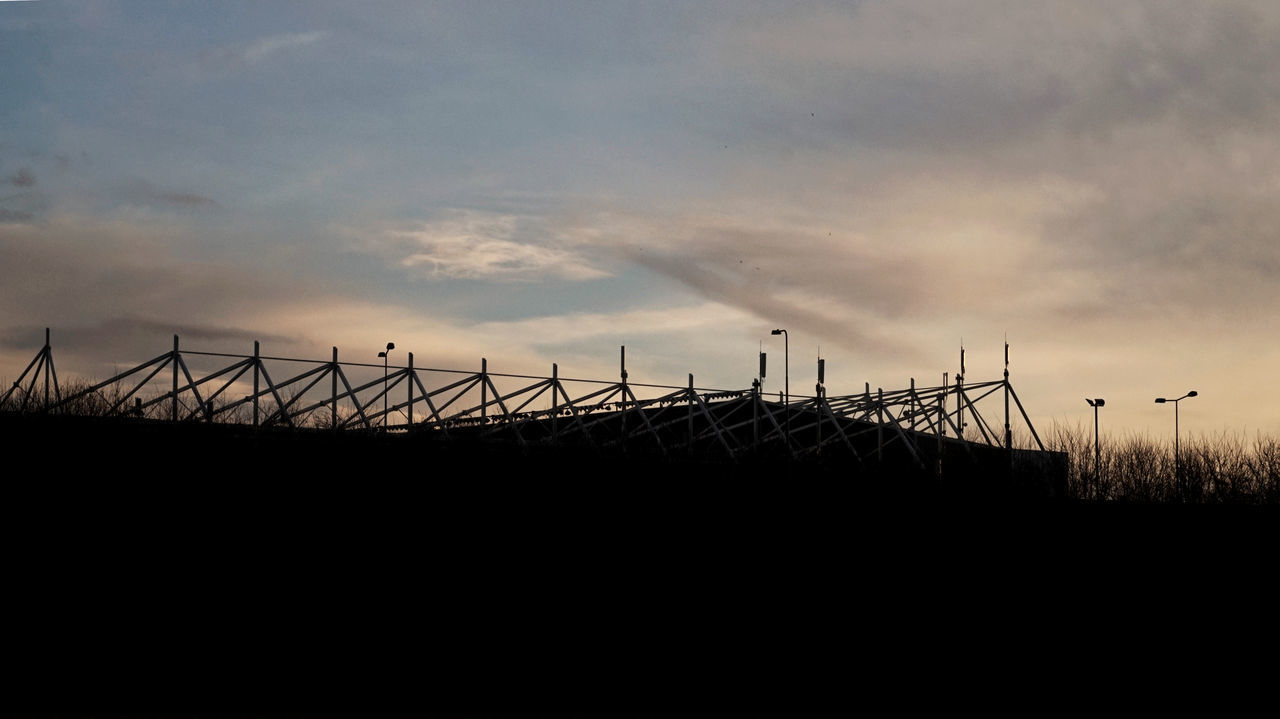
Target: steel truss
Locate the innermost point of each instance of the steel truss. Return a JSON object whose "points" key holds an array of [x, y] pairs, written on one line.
{"points": [[529, 410]]}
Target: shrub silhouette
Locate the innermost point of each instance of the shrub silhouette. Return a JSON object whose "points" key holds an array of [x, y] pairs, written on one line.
{"points": [[1215, 469]]}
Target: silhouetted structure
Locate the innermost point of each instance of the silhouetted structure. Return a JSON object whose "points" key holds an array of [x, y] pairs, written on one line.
{"points": [[917, 435]]}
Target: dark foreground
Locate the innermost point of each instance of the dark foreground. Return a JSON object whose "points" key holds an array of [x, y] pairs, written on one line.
{"points": [[243, 576]]}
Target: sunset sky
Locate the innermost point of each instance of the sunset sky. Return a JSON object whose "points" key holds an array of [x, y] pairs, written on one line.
{"points": [[538, 182]]}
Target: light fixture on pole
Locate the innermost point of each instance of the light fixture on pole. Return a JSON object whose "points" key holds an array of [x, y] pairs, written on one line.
{"points": [[383, 355], [786, 377], [1097, 454], [1161, 400]]}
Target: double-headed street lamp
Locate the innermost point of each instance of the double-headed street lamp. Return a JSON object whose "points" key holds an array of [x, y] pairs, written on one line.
{"points": [[1161, 400], [383, 355], [1097, 454], [786, 376]]}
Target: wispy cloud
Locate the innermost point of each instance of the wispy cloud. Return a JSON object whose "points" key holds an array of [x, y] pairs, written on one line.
{"points": [[25, 177], [480, 245], [265, 47], [144, 193], [555, 330], [134, 331], [184, 199], [879, 178], [15, 215]]}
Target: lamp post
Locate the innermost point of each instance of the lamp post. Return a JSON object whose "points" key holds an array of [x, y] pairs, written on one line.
{"points": [[786, 377], [1097, 454], [1177, 474], [383, 355]]}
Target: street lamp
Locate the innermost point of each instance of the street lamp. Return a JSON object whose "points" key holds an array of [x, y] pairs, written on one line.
{"points": [[1177, 475], [383, 355], [1097, 454], [786, 377]]}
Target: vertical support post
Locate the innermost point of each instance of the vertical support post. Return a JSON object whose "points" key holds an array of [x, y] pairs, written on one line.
{"points": [[386, 359], [1177, 468], [914, 400], [555, 401], [755, 412], [257, 365], [1097, 453], [333, 391], [484, 390], [622, 417], [47, 353], [960, 397], [786, 380], [1008, 432], [57, 393], [819, 405], [757, 388], [821, 401], [880, 424], [942, 405], [690, 415], [410, 377], [942, 429], [174, 400]]}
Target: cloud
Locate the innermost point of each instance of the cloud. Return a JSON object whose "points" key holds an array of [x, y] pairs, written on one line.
{"points": [[552, 330], [265, 47], [1030, 163], [114, 290], [136, 192], [475, 245], [855, 284], [89, 269], [882, 178], [185, 199], [953, 78], [117, 334], [24, 178], [15, 216]]}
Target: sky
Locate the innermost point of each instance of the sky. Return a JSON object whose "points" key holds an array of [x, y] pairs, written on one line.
{"points": [[546, 182]]}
